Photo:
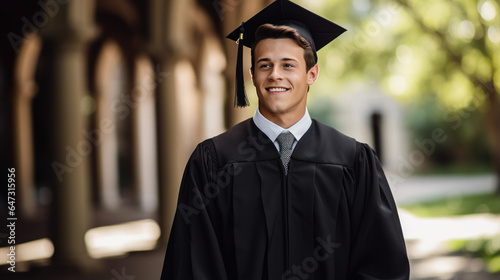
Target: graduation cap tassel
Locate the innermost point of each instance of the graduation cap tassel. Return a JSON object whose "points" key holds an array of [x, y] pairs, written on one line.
{"points": [[241, 99]]}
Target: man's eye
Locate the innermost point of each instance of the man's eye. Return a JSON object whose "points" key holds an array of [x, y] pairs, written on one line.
{"points": [[288, 65], [264, 66]]}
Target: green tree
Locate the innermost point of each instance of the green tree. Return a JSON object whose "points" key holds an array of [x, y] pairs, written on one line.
{"points": [[413, 48]]}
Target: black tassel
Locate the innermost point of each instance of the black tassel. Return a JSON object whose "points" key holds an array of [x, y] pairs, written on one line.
{"points": [[241, 99]]}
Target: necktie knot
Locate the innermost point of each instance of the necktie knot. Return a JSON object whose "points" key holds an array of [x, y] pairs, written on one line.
{"points": [[285, 142]]}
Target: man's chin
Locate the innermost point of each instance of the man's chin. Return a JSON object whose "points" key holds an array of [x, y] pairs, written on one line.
{"points": [[275, 109]]}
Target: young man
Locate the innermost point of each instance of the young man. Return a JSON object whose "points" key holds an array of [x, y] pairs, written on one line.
{"points": [[282, 196]]}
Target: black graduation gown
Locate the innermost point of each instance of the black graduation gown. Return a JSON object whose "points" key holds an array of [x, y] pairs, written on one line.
{"points": [[239, 217]]}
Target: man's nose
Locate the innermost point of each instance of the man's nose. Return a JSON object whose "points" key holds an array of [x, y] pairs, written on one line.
{"points": [[275, 74]]}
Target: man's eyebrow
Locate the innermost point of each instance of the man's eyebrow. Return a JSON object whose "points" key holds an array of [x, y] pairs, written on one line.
{"points": [[283, 59], [263, 59]]}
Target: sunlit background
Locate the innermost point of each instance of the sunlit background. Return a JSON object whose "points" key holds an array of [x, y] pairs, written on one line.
{"points": [[102, 102]]}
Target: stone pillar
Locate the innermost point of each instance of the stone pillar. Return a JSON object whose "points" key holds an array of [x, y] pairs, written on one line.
{"points": [[144, 126], [169, 154], [24, 90], [169, 25], [107, 95], [211, 64], [66, 35]]}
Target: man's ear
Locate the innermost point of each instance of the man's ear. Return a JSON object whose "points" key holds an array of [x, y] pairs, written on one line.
{"points": [[312, 75], [251, 75]]}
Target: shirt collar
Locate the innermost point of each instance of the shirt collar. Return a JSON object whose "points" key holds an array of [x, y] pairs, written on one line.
{"points": [[272, 130]]}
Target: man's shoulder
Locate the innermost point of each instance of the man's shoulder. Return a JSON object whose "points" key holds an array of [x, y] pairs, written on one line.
{"points": [[240, 130], [242, 143], [245, 142]]}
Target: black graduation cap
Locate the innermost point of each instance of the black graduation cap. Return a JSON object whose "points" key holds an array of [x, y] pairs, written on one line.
{"points": [[317, 30]]}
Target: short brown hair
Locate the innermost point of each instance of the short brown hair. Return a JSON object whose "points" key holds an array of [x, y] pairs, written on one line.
{"points": [[267, 31]]}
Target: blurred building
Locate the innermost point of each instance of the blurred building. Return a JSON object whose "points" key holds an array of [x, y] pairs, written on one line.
{"points": [[378, 121], [103, 101]]}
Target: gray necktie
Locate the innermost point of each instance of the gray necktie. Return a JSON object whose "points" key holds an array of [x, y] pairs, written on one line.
{"points": [[285, 141]]}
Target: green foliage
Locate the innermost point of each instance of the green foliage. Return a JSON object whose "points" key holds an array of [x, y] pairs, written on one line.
{"points": [[455, 206], [487, 249], [435, 56], [465, 143], [414, 47]]}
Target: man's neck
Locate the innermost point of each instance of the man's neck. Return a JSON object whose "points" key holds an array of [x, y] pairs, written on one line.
{"points": [[284, 120]]}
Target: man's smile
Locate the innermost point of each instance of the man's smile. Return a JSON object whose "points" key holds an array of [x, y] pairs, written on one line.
{"points": [[277, 89]]}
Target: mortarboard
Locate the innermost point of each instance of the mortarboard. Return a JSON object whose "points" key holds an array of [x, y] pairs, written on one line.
{"points": [[317, 30]]}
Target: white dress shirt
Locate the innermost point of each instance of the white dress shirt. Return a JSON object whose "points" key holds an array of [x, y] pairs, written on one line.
{"points": [[272, 130]]}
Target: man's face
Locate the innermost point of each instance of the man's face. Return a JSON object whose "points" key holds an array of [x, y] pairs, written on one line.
{"points": [[281, 79]]}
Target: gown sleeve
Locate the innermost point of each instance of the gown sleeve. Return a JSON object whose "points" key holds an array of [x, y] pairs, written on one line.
{"points": [[193, 251], [378, 247]]}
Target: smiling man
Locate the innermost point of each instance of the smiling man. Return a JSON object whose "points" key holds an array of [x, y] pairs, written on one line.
{"points": [[280, 195], [281, 74]]}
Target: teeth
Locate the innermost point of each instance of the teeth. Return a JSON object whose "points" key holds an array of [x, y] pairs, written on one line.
{"points": [[277, 89]]}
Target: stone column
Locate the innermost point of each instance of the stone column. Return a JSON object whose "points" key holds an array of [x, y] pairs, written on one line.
{"points": [[170, 170], [106, 140], [25, 88], [66, 35], [168, 44], [144, 126]]}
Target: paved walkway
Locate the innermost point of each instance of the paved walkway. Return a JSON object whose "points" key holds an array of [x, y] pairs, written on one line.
{"points": [[424, 188], [427, 240], [427, 237]]}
